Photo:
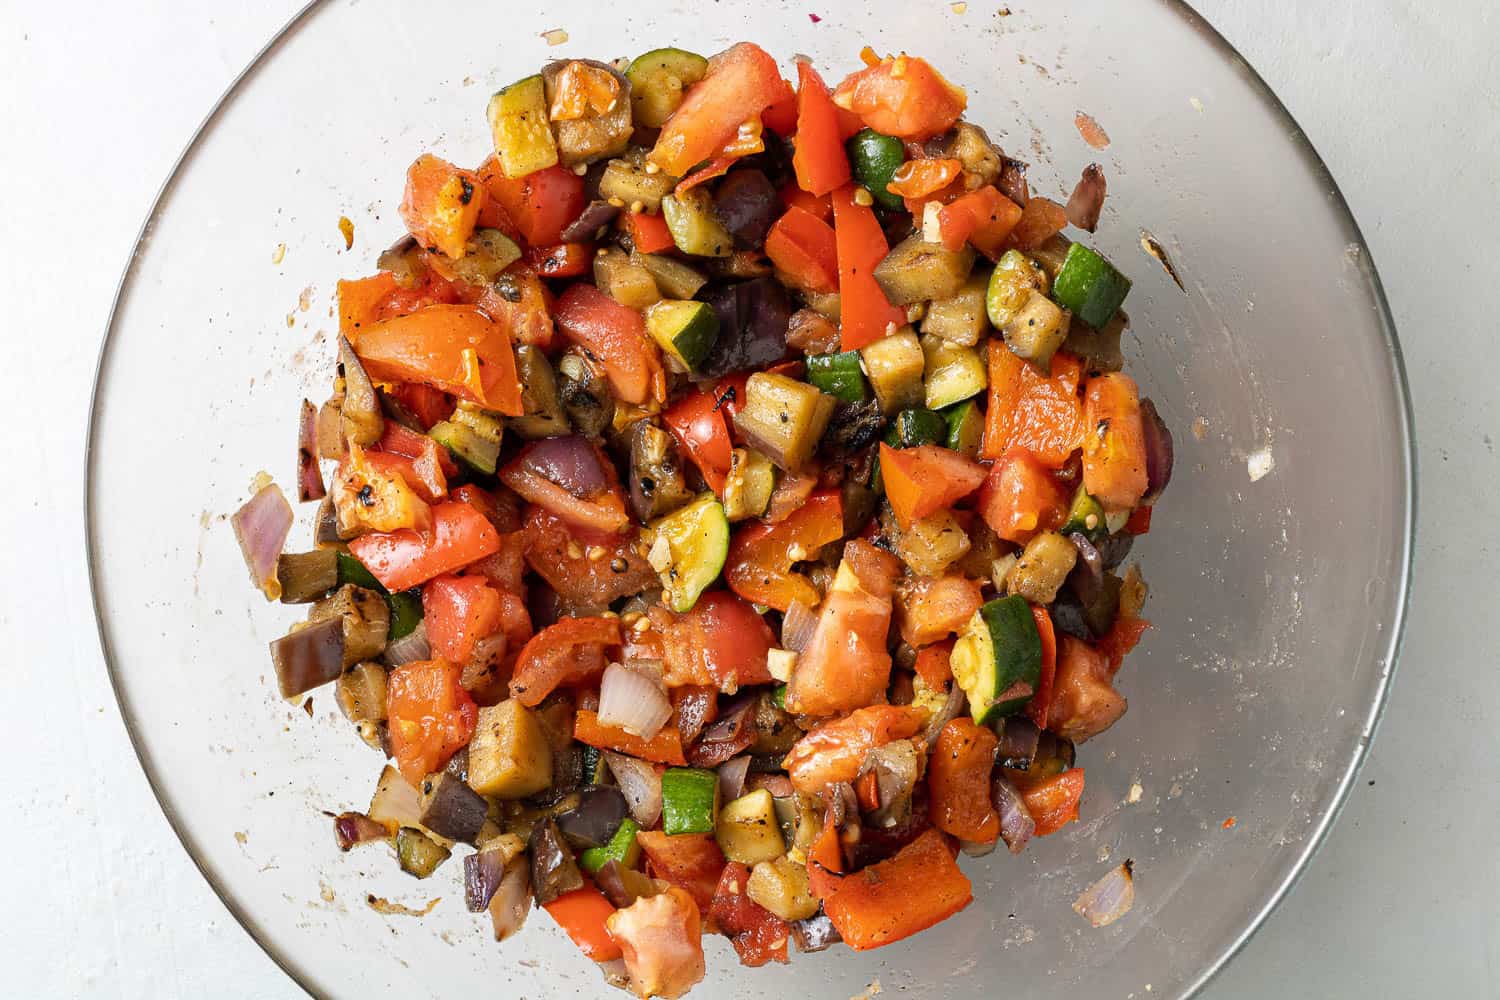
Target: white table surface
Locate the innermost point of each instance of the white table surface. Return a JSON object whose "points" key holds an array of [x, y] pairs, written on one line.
{"points": [[99, 900]]}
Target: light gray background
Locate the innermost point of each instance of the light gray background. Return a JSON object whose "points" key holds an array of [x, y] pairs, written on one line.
{"points": [[1401, 98]]}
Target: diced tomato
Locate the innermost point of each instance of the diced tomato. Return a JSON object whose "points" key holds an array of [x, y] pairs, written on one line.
{"points": [[721, 642], [565, 260], [1040, 704], [648, 233], [375, 492], [506, 569], [427, 481], [1020, 498], [690, 861], [836, 750], [1040, 413], [1052, 802], [431, 289], [924, 480], [663, 748], [359, 299], [403, 559], [584, 914], [846, 664], [566, 653], [661, 939], [793, 196], [441, 204], [758, 935], [958, 780], [616, 336], [916, 179], [934, 664], [603, 513], [742, 82], [933, 608], [454, 348], [759, 566], [902, 96], [500, 508], [1139, 522], [1041, 219], [781, 115], [894, 899], [819, 159], [400, 440], [559, 554], [430, 406], [1084, 700], [1114, 453], [806, 249], [459, 611], [983, 217], [430, 716], [541, 204], [865, 314], [699, 425], [520, 303]]}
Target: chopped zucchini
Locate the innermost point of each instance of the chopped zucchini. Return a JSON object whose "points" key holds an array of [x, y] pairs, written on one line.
{"points": [[1011, 283], [675, 279], [1037, 330], [1090, 286], [626, 181], [685, 329], [752, 479], [694, 227], [747, 830], [895, 365], [519, 126], [933, 543], [509, 756], [1044, 564], [783, 418], [307, 576], [965, 428], [998, 659], [952, 373], [916, 427], [689, 800], [688, 548], [1085, 516], [417, 853], [960, 318], [781, 886], [623, 280], [839, 375], [593, 767], [544, 413], [874, 159], [622, 847], [486, 254], [778, 694], [467, 445], [915, 271], [658, 80]]}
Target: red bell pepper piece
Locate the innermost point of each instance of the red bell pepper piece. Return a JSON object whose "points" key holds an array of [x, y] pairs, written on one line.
{"points": [[865, 314], [805, 247], [1040, 413], [718, 166], [663, 748], [1114, 454], [958, 781], [1037, 707], [1052, 802], [402, 559], [898, 897], [454, 348], [648, 233], [699, 426], [793, 196], [582, 914], [983, 217], [441, 204], [781, 116], [761, 557], [819, 159], [1139, 522], [459, 611], [565, 260], [541, 204], [923, 480]]}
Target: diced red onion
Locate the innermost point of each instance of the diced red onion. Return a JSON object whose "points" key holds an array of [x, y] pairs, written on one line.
{"points": [[512, 900], [640, 783], [261, 527], [309, 476], [615, 974], [952, 708], [815, 933], [352, 828], [732, 777], [1087, 199], [1110, 898], [797, 626], [1016, 824], [571, 462], [483, 872], [730, 734], [779, 785], [1158, 451], [633, 700], [410, 648]]}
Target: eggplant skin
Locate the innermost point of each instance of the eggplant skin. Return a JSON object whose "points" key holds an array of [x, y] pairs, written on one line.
{"points": [[451, 808], [553, 870], [309, 657]]}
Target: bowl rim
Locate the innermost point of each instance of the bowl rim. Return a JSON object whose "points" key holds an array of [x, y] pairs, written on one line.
{"points": [[1393, 646]]}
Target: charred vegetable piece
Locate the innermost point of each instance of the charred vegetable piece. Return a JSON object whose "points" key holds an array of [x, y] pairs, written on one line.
{"points": [[1090, 286], [361, 418], [509, 756], [783, 418], [895, 365], [998, 659], [586, 396], [970, 146], [519, 127], [658, 80], [307, 576], [688, 550], [309, 657], [1011, 283], [361, 693], [657, 485], [1043, 566], [1099, 349], [553, 870], [364, 616], [675, 279], [627, 181], [838, 375], [417, 853], [621, 849], [685, 330], [953, 373], [602, 125], [486, 254], [451, 808], [591, 223], [816, 933], [694, 227], [915, 271], [689, 800], [780, 885], [747, 830], [874, 158], [960, 318], [916, 427], [1085, 517], [623, 280], [467, 445], [544, 413], [747, 490]]}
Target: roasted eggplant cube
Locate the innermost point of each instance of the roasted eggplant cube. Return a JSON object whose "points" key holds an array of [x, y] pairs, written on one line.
{"points": [[916, 271], [366, 621], [509, 756], [307, 576], [308, 657], [784, 419]]}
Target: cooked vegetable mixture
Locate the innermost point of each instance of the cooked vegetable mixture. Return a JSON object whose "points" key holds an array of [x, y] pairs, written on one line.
{"points": [[730, 483]]}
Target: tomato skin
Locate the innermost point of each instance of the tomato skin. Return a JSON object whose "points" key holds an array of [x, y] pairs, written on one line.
{"points": [[836, 750], [690, 861], [528, 320], [898, 897], [541, 204], [699, 425], [846, 664], [958, 778], [616, 335], [550, 544], [933, 608], [565, 653], [721, 642], [742, 81], [565, 260], [661, 937], [649, 233], [431, 345], [781, 115], [663, 748], [403, 559], [934, 664], [429, 405], [459, 611], [758, 935], [1114, 454], [759, 563], [902, 96], [983, 217], [1052, 802], [1038, 708], [1020, 498], [924, 480], [441, 204], [430, 715]]}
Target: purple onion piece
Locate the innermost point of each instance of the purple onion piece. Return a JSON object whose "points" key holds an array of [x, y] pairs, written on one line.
{"points": [[1110, 898], [730, 734], [351, 828], [1086, 578], [594, 217], [1087, 199], [1016, 824], [815, 933], [1018, 743], [483, 871], [952, 708], [1158, 451], [309, 476], [261, 527], [797, 626], [753, 318], [640, 783], [571, 462], [410, 648], [732, 777]]}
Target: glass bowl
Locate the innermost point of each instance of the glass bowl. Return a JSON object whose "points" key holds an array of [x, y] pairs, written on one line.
{"points": [[1277, 600]]}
